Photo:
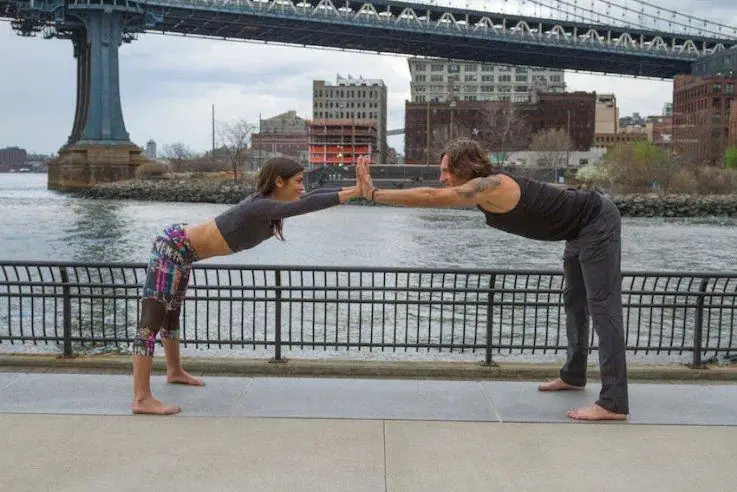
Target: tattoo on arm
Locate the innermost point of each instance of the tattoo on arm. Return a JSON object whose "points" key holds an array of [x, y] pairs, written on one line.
{"points": [[478, 185]]}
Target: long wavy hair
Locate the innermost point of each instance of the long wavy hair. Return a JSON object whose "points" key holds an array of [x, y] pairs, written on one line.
{"points": [[274, 168], [466, 159]]}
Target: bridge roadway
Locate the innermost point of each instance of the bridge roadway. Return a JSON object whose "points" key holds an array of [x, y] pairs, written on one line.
{"points": [[389, 26], [73, 432]]}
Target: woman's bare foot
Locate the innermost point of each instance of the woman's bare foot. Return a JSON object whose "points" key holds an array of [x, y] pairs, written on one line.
{"points": [[558, 385], [183, 377], [152, 406], [595, 412]]}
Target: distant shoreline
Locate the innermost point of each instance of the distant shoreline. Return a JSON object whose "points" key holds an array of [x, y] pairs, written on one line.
{"points": [[228, 192]]}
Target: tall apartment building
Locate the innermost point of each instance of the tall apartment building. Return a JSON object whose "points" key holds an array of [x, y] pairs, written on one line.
{"points": [[359, 101], [607, 114], [150, 151], [701, 114], [12, 158], [437, 80]]}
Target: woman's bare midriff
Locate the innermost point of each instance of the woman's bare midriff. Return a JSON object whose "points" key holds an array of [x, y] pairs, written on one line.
{"points": [[207, 240]]}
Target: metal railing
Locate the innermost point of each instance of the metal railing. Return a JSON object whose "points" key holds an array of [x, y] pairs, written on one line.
{"points": [[84, 306]]}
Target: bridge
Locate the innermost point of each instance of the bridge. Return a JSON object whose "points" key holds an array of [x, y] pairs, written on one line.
{"points": [[99, 149]]}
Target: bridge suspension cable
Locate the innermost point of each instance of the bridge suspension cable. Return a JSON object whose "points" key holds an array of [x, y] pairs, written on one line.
{"points": [[621, 15]]}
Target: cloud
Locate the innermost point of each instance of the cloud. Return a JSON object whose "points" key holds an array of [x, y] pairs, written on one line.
{"points": [[169, 83]]}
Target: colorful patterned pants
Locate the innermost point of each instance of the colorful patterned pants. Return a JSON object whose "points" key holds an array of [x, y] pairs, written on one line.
{"points": [[167, 276]]}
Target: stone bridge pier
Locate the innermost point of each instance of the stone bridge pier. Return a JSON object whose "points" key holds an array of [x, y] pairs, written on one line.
{"points": [[99, 149]]}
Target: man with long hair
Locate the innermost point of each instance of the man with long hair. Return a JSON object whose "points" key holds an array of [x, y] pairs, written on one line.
{"points": [[590, 225]]}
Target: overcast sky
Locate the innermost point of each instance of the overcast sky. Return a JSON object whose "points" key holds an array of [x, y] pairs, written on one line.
{"points": [[168, 83]]}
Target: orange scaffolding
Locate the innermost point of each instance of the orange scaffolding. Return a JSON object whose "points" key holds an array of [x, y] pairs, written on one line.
{"points": [[341, 142]]}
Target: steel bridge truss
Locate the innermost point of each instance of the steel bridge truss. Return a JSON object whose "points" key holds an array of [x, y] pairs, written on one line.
{"points": [[49, 17]]}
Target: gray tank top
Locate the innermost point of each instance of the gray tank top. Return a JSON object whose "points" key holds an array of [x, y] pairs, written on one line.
{"points": [[250, 222]]}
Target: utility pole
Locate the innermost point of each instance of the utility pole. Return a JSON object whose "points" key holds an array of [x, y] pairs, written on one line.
{"points": [[427, 132], [568, 146], [213, 134]]}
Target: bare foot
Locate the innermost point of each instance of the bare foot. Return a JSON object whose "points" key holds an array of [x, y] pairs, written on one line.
{"points": [[183, 377], [595, 412], [152, 406], [558, 385]]}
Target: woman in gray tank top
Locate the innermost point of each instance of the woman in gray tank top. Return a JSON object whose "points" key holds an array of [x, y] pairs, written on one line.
{"points": [[243, 226]]}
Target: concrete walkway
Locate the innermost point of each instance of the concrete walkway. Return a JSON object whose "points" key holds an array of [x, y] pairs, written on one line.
{"points": [[75, 432]]}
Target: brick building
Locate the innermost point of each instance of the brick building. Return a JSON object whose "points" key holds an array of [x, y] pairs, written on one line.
{"points": [[659, 130], [571, 111], [356, 99], [285, 133], [12, 158], [733, 126], [702, 106], [485, 121]]}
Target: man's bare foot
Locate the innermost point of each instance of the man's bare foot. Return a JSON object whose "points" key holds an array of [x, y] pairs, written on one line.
{"points": [[558, 385], [595, 412], [183, 377], [152, 406]]}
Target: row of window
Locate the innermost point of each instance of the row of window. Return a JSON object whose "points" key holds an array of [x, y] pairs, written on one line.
{"points": [[485, 78], [347, 114], [345, 104], [481, 97], [352, 93], [471, 67], [473, 88]]}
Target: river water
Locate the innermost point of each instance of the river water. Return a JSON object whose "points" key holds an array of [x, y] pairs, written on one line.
{"points": [[38, 224]]}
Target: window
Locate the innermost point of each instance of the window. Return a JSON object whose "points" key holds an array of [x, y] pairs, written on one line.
{"points": [[454, 68], [487, 78], [470, 67], [436, 78], [471, 78], [420, 78]]}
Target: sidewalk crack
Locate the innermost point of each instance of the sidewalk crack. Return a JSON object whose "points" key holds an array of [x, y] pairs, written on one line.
{"points": [[491, 403], [386, 477]]}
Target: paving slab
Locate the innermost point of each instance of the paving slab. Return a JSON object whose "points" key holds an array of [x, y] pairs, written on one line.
{"points": [[365, 399], [469, 457], [347, 398], [113, 453]]}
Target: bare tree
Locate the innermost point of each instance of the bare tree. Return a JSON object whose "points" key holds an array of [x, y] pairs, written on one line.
{"points": [[503, 128], [178, 155], [553, 145], [235, 138]]}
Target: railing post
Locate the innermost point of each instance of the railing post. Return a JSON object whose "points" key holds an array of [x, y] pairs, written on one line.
{"points": [[277, 317], [699, 328], [490, 320], [67, 312]]}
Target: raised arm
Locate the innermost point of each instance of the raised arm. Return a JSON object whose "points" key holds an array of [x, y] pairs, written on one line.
{"points": [[276, 209], [320, 191], [468, 194], [471, 193]]}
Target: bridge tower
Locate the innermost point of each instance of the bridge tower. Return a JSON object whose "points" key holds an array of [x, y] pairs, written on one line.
{"points": [[98, 149]]}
